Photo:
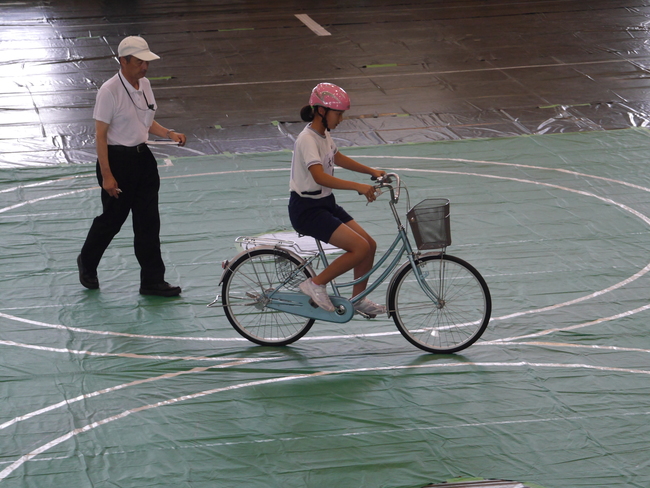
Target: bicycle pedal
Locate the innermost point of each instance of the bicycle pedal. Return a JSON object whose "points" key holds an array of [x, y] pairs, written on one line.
{"points": [[366, 315]]}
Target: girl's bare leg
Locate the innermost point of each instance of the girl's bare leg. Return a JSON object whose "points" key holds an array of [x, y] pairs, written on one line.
{"points": [[364, 266], [360, 255]]}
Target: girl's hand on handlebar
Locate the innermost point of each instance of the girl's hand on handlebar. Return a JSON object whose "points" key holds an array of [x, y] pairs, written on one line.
{"points": [[368, 191]]}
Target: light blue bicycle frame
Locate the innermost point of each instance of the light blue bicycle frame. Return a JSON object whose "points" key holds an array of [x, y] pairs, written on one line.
{"points": [[405, 248]]}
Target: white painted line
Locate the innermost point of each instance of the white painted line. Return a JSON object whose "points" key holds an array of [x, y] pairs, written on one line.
{"points": [[577, 326], [514, 165], [313, 25], [565, 344], [235, 362], [117, 334], [157, 357], [99, 423], [41, 183], [426, 428], [627, 281], [389, 75], [50, 197]]}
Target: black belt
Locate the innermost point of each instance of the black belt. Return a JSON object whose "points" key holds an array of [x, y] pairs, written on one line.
{"points": [[130, 149]]}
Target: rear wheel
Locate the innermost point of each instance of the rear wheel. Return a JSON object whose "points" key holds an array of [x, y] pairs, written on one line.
{"points": [[244, 296], [456, 319]]}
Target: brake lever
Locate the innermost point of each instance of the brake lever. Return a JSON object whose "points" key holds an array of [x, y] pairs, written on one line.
{"points": [[382, 179], [378, 191]]}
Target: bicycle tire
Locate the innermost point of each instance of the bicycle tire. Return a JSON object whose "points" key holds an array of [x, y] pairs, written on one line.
{"points": [[464, 311], [243, 294]]}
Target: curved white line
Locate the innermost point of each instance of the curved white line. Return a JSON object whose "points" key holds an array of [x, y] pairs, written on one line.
{"points": [[626, 208], [516, 165], [568, 345], [577, 326], [49, 197], [43, 183], [636, 213], [114, 354], [217, 173], [119, 334], [156, 149], [428, 428], [506, 340], [75, 432], [59, 440], [72, 192], [615, 286], [85, 396]]}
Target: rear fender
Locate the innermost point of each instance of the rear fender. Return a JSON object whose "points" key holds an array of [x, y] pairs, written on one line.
{"points": [[227, 263]]}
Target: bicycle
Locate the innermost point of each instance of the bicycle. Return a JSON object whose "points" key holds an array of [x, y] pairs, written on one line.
{"points": [[438, 302]]}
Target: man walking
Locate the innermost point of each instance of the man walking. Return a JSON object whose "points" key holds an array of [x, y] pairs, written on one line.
{"points": [[127, 170]]}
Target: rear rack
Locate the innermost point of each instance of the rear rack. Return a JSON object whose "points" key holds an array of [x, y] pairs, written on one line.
{"points": [[247, 242]]}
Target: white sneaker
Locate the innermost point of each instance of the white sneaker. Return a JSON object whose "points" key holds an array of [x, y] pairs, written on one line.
{"points": [[318, 293], [369, 308]]}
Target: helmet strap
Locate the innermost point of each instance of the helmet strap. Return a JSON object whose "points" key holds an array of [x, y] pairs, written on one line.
{"points": [[324, 118]]}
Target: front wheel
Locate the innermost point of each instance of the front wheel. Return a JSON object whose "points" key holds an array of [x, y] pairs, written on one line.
{"points": [[246, 285], [455, 319]]}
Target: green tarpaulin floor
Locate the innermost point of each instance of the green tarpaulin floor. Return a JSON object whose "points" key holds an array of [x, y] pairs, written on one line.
{"points": [[109, 388]]}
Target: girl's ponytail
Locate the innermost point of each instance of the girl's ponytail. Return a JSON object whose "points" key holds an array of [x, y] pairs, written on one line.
{"points": [[307, 113]]}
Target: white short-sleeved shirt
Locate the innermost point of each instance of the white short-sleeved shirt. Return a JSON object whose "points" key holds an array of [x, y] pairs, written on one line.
{"points": [[311, 148], [129, 119]]}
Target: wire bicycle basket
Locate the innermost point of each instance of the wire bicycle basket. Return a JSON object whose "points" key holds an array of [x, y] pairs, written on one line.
{"points": [[429, 221]]}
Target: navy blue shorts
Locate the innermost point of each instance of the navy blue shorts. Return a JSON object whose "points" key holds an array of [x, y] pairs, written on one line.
{"points": [[316, 217]]}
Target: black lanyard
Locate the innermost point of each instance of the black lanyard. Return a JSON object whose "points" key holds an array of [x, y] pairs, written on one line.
{"points": [[149, 105]]}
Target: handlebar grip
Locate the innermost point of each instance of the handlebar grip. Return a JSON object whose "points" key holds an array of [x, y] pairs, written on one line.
{"points": [[382, 179], [388, 179]]}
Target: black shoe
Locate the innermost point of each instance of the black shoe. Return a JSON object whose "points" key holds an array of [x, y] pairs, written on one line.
{"points": [[162, 289], [87, 279]]}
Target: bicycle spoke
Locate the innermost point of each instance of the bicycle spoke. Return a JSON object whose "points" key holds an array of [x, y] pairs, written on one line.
{"points": [[458, 316], [245, 297]]}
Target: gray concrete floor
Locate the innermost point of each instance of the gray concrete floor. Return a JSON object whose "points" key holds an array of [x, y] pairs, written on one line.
{"points": [[233, 75]]}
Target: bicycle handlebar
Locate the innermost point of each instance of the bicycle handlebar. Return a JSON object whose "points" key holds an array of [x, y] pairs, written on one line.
{"points": [[386, 181]]}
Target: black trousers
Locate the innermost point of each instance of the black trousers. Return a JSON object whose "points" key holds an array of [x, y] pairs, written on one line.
{"points": [[136, 173]]}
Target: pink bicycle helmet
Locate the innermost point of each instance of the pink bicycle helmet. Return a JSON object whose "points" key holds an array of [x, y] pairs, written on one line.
{"points": [[329, 96]]}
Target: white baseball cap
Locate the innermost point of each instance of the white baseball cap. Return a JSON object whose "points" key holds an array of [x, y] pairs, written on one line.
{"points": [[136, 46]]}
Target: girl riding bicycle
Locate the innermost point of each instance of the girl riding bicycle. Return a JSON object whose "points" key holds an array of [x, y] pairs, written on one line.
{"points": [[312, 208]]}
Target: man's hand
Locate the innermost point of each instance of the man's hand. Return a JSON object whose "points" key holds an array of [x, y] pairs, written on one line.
{"points": [[109, 184], [178, 137]]}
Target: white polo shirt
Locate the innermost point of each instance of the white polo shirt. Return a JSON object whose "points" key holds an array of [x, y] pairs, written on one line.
{"points": [[129, 118], [311, 148]]}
